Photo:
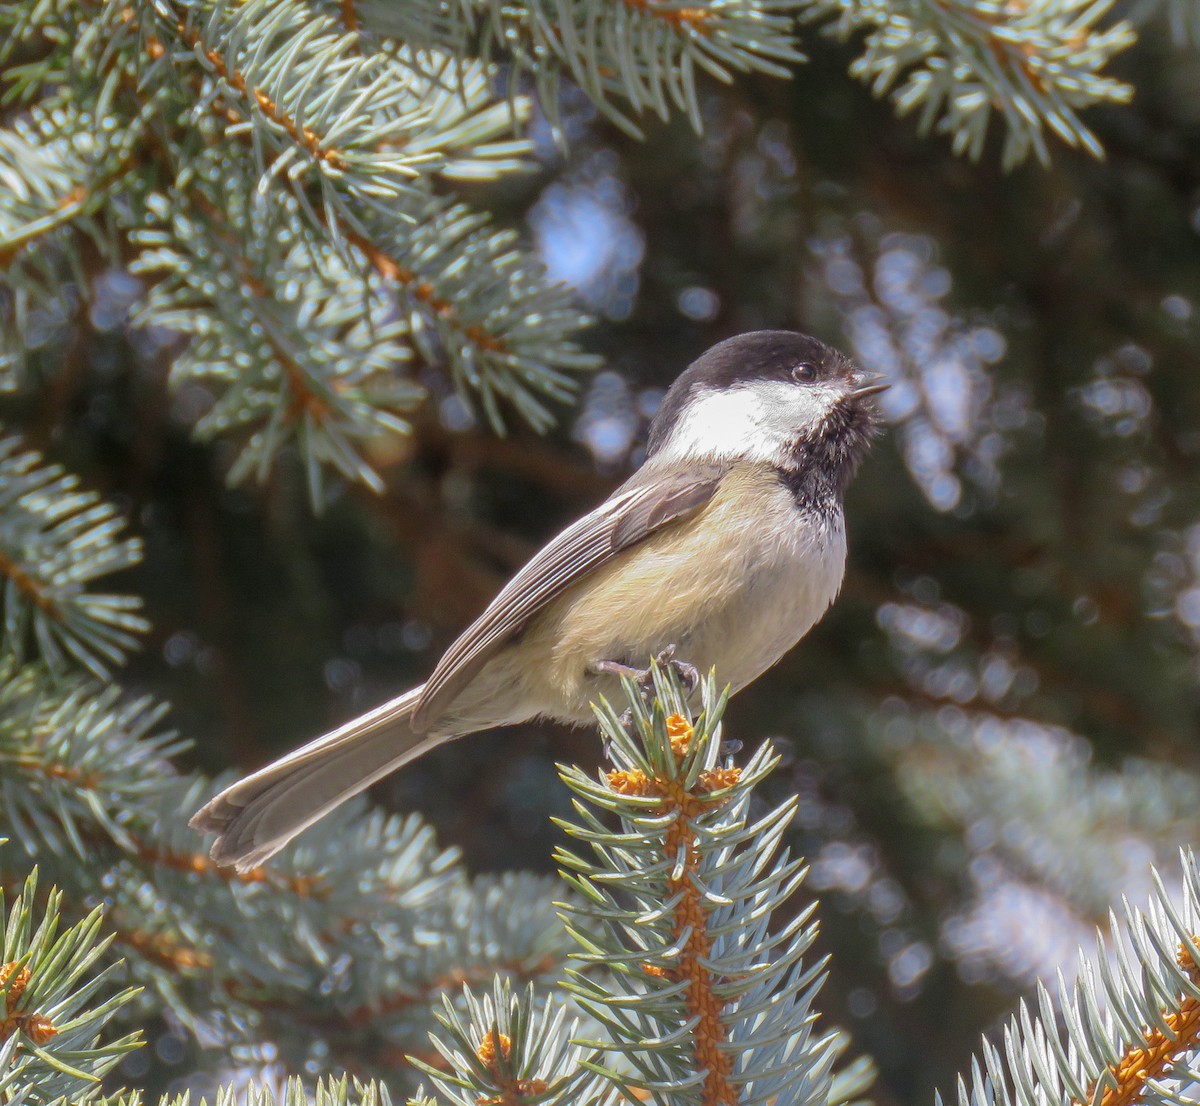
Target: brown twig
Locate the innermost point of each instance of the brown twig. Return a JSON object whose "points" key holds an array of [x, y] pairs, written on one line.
{"points": [[305, 400], [177, 860], [234, 78], [162, 950], [394, 272], [693, 19], [30, 587], [1153, 1058], [690, 916], [421, 290], [304, 887], [76, 200]]}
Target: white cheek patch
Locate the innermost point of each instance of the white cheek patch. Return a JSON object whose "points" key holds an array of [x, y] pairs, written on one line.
{"points": [[751, 421]]}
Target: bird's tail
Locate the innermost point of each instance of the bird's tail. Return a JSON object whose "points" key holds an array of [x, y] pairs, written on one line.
{"points": [[255, 817]]}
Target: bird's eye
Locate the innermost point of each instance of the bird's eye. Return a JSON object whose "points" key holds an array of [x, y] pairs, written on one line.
{"points": [[804, 373]]}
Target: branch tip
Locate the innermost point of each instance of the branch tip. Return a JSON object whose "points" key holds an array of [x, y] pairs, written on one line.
{"points": [[513, 1091], [495, 1044], [37, 1027], [1151, 1060]]}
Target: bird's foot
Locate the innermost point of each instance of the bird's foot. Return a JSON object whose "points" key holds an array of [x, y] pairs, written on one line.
{"points": [[644, 677], [687, 672]]}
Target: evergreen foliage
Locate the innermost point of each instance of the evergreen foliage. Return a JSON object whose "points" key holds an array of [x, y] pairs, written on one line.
{"points": [[696, 1000], [281, 202], [357, 930], [278, 170], [955, 65], [269, 177], [515, 1047], [55, 999], [674, 913], [55, 541], [1126, 1030]]}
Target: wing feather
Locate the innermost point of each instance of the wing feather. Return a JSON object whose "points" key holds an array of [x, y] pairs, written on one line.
{"points": [[636, 510]]}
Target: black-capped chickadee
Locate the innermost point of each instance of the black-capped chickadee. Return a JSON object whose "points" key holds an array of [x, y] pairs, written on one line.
{"points": [[728, 544]]}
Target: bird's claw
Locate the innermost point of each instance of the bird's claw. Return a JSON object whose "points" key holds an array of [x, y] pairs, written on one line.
{"points": [[644, 677], [688, 673]]}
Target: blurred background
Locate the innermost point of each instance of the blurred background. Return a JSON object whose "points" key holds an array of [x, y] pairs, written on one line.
{"points": [[993, 733]]}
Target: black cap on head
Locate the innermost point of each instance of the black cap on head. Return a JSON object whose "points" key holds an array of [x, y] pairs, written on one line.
{"points": [[745, 358]]}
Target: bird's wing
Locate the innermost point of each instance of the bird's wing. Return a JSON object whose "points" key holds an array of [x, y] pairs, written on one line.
{"points": [[636, 510]]}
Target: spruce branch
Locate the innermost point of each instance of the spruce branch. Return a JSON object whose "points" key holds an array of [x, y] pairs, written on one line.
{"points": [[44, 186], [55, 540], [476, 301], [699, 997], [52, 1004], [1128, 1030], [355, 932], [509, 1049], [268, 57], [310, 350], [71, 177], [352, 936], [955, 63], [300, 350], [73, 149], [472, 300], [1076, 817], [630, 57], [260, 168], [364, 125], [78, 762], [473, 135]]}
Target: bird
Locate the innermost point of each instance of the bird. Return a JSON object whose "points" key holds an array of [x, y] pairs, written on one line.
{"points": [[723, 550]]}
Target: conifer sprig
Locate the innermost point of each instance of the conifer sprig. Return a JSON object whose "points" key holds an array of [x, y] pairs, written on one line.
{"points": [[957, 63], [267, 57], [297, 347], [331, 942], [329, 1091], [55, 541], [513, 1049], [1079, 820], [345, 123], [56, 997], [275, 180], [77, 761], [476, 301], [1127, 1031], [631, 58], [699, 995]]}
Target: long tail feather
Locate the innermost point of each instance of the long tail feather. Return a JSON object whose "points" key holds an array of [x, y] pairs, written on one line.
{"points": [[255, 817]]}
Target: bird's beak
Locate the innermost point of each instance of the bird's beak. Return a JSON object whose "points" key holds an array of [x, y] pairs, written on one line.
{"points": [[870, 384]]}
